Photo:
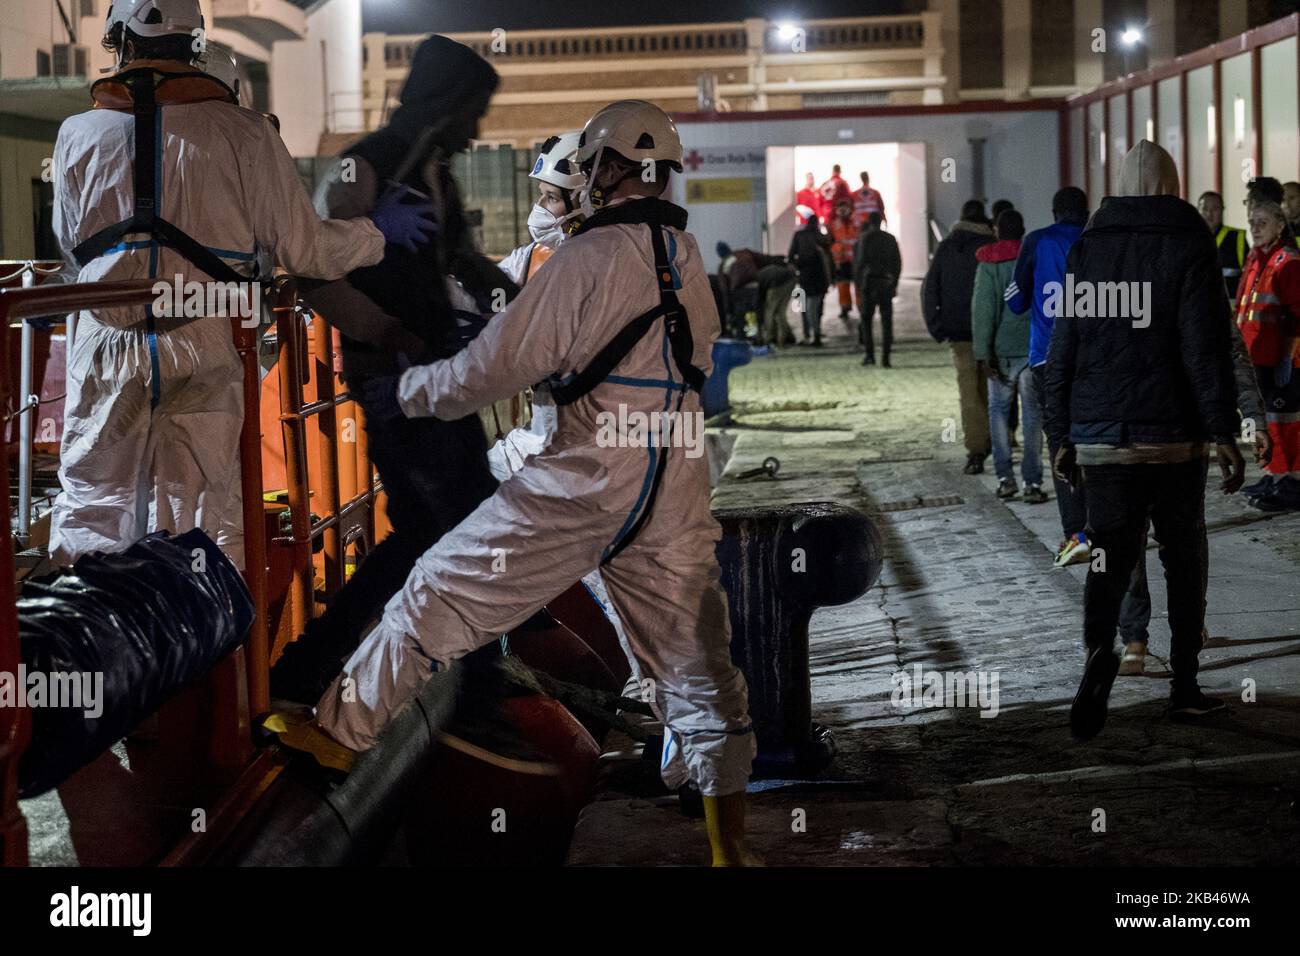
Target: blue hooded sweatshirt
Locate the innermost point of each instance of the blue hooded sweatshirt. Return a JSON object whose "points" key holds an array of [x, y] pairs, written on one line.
{"points": [[1041, 260]]}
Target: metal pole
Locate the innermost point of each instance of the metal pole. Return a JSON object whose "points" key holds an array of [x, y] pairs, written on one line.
{"points": [[25, 418]]}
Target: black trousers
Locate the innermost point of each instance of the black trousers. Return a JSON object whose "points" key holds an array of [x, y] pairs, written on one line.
{"points": [[1121, 501], [871, 296], [434, 473]]}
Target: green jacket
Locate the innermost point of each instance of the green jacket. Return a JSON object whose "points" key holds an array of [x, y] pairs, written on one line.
{"points": [[996, 331]]}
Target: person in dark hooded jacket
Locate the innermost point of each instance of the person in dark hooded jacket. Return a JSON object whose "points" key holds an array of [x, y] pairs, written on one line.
{"points": [[1139, 386], [811, 257], [434, 472], [945, 302]]}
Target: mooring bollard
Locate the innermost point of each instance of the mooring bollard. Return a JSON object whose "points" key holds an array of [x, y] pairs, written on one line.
{"points": [[778, 565], [727, 354]]}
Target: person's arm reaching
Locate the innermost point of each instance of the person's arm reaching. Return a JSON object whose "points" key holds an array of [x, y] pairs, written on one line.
{"points": [[522, 345], [345, 307], [286, 223]]}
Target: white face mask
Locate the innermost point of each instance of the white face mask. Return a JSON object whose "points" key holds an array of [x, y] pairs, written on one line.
{"points": [[544, 226]]}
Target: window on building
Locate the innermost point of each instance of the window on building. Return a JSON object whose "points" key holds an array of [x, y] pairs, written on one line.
{"points": [[1051, 47], [87, 8], [43, 63], [981, 45], [1197, 25]]}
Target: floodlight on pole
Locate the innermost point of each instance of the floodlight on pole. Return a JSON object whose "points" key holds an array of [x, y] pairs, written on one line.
{"points": [[1131, 37]]}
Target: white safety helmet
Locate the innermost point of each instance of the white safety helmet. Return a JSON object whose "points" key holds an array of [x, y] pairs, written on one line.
{"points": [[154, 18], [637, 131], [218, 61], [556, 163], [634, 129]]}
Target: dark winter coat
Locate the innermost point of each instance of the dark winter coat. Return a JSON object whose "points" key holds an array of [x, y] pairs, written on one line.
{"points": [[810, 255], [1109, 382], [950, 281], [876, 257]]}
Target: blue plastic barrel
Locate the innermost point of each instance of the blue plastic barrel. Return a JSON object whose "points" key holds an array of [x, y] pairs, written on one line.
{"points": [[727, 354]]}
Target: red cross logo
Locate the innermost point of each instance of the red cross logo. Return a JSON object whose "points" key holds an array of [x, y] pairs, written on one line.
{"points": [[693, 160]]}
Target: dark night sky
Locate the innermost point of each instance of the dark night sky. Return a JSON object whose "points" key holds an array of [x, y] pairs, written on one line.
{"points": [[450, 16]]}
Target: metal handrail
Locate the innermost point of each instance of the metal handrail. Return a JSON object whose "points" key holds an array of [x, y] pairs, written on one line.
{"points": [[15, 722], [291, 324], [25, 413]]}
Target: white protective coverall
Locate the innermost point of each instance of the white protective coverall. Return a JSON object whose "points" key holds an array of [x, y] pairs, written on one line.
{"points": [[557, 516], [152, 420], [507, 455]]}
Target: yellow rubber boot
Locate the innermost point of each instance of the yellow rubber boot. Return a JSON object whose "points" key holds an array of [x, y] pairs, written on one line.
{"points": [[300, 732], [724, 819]]}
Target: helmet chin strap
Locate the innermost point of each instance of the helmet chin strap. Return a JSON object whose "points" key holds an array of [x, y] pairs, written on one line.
{"points": [[595, 198], [587, 196]]}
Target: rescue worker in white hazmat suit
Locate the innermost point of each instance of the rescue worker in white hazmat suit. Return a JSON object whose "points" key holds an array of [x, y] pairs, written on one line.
{"points": [[555, 215], [155, 402], [623, 320]]}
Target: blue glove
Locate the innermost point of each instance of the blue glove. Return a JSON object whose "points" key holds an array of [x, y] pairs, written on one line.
{"points": [[405, 224], [1282, 371], [378, 395]]}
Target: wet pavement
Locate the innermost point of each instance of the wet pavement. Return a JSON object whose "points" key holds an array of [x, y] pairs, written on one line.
{"points": [[968, 588]]}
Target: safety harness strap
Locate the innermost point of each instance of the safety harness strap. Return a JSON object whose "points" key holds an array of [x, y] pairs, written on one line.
{"points": [[145, 219], [676, 324]]}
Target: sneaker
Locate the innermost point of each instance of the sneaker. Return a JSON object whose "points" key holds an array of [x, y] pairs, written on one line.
{"points": [[817, 343], [884, 362], [1007, 488], [1034, 495], [1189, 705], [1088, 712], [868, 360], [1075, 549], [1134, 660], [974, 465]]}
